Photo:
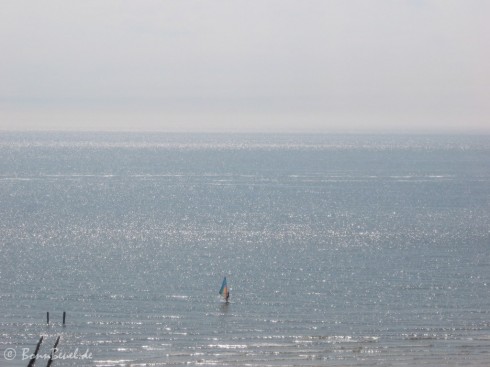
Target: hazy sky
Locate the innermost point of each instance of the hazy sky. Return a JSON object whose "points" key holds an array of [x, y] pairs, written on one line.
{"points": [[245, 65]]}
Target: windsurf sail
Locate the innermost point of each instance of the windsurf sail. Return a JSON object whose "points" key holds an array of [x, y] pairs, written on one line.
{"points": [[224, 291]]}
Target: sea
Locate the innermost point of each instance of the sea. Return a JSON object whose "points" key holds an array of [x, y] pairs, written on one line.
{"points": [[339, 250]]}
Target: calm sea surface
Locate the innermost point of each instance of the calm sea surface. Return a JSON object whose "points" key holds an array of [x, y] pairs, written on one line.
{"points": [[339, 250]]}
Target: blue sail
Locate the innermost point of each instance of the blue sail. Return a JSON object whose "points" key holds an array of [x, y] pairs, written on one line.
{"points": [[224, 289]]}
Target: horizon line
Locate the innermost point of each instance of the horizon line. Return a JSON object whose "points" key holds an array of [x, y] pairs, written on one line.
{"points": [[262, 132]]}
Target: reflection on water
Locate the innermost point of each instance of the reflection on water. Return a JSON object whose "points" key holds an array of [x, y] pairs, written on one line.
{"points": [[340, 250]]}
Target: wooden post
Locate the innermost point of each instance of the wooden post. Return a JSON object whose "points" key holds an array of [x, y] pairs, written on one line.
{"points": [[33, 360], [52, 352], [47, 317], [64, 317]]}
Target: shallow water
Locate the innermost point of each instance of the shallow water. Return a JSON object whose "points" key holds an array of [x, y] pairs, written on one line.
{"points": [[339, 250]]}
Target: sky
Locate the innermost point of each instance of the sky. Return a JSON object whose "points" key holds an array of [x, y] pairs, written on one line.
{"points": [[245, 66]]}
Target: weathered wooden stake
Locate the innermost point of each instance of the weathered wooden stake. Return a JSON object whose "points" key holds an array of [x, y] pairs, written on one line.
{"points": [[64, 317], [52, 352], [33, 360], [47, 317]]}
